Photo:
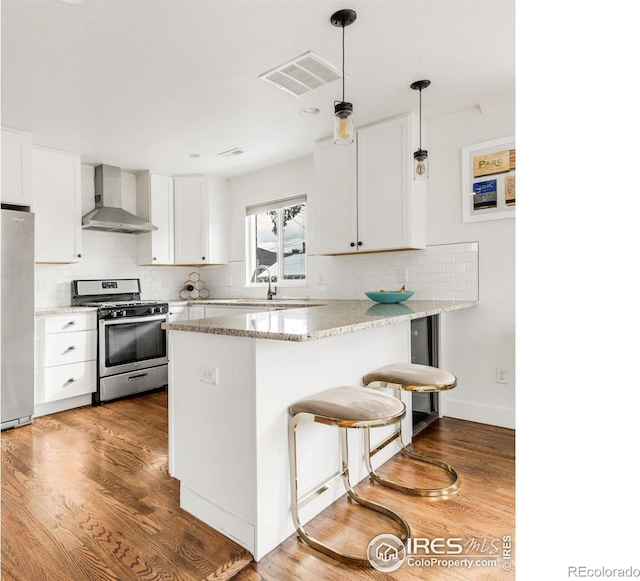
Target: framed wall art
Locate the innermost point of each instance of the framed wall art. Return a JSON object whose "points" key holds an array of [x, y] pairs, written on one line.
{"points": [[489, 180]]}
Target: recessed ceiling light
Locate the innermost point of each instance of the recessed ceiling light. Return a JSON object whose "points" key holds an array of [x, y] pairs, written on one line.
{"points": [[309, 111], [192, 155]]}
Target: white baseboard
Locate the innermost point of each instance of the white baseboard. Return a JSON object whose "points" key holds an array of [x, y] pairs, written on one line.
{"points": [[476, 412], [61, 405], [218, 518]]}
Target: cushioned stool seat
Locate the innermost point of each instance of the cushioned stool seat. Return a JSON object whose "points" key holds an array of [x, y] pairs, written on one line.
{"points": [[411, 377], [344, 407]]}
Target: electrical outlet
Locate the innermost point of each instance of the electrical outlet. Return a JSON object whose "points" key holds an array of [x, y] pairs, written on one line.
{"points": [[403, 275], [209, 375], [502, 375]]}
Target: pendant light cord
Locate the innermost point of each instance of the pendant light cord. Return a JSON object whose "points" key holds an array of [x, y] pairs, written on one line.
{"points": [[343, 63], [420, 118]]}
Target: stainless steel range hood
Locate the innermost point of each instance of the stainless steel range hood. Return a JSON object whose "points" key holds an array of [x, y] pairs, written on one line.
{"points": [[108, 214]]}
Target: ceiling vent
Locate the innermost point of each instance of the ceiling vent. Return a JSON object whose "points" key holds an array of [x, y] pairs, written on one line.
{"points": [[232, 152], [302, 74]]}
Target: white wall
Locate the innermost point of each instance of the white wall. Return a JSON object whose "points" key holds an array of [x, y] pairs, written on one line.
{"points": [[476, 340]]}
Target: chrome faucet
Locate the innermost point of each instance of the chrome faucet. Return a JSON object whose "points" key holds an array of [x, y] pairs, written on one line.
{"points": [[263, 268]]}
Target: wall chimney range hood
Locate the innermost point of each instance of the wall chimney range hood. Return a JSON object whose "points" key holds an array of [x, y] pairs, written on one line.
{"points": [[108, 214]]}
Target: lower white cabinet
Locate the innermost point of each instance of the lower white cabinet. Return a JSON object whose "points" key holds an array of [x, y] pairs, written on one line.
{"points": [[207, 312], [196, 312], [227, 311], [178, 313], [66, 353]]}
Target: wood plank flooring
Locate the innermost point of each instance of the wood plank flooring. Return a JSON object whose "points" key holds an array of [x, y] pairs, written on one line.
{"points": [[481, 513], [86, 496]]}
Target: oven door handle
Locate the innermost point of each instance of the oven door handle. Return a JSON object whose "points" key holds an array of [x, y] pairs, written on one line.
{"points": [[124, 320]]}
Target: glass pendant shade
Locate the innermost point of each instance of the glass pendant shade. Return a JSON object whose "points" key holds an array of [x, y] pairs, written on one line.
{"points": [[420, 157], [420, 165], [343, 130]]}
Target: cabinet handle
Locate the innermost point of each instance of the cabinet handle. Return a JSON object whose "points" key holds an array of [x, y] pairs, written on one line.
{"points": [[359, 243], [155, 258], [72, 323], [80, 255], [353, 244], [72, 348], [71, 380], [203, 258]]}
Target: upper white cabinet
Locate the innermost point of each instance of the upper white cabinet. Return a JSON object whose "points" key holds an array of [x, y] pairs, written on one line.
{"points": [[334, 207], [201, 217], [365, 198], [154, 199], [16, 168], [57, 205]]}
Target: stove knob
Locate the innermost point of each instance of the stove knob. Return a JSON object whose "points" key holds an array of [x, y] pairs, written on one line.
{"points": [[113, 314], [152, 310]]}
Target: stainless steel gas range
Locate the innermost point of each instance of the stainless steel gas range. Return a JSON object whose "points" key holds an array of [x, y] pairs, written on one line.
{"points": [[132, 346]]}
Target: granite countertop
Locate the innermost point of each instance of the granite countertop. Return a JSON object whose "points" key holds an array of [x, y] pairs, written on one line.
{"points": [[40, 311], [315, 320]]}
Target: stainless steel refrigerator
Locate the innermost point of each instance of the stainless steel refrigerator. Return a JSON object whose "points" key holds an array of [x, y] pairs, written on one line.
{"points": [[18, 318]]}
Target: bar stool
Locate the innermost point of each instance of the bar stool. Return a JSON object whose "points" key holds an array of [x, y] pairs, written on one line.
{"points": [[344, 407], [410, 377]]}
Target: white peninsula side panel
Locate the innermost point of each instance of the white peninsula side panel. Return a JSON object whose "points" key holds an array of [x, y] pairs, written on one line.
{"points": [[228, 441]]}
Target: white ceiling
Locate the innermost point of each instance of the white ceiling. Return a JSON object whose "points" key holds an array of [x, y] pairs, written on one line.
{"points": [[140, 83]]}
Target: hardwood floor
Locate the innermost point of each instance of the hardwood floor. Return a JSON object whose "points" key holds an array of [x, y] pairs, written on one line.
{"points": [[86, 496], [481, 514]]}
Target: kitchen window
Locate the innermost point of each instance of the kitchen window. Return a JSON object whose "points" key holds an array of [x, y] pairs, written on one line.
{"points": [[276, 239]]}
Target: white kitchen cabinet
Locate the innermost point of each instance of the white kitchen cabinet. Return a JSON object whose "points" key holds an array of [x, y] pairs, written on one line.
{"points": [[16, 168], [196, 312], [178, 313], [367, 201], [334, 207], [154, 202], [227, 311], [57, 206], [66, 366], [201, 217]]}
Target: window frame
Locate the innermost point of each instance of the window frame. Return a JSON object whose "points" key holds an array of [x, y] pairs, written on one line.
{"points": [[250, 246]]}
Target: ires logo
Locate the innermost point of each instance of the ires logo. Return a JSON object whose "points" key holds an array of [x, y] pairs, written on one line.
{"points": [[435, 546]]}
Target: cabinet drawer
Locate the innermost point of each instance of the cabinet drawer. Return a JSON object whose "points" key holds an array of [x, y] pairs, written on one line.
{"points": [[69, 323], [68, 381], [65, 348]]}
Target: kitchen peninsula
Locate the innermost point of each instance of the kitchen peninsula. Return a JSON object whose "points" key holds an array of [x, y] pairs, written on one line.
{"points": [[231, 381]]}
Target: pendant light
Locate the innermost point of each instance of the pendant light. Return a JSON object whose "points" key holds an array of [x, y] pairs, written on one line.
{"points": [[421, 156], [343, 132]]}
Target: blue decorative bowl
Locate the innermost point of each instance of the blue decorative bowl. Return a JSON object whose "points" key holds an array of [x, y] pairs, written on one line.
{"points": [[389, 297]]}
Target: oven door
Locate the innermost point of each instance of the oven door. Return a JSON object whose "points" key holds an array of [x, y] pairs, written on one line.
{"points": [[131, 343]]}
